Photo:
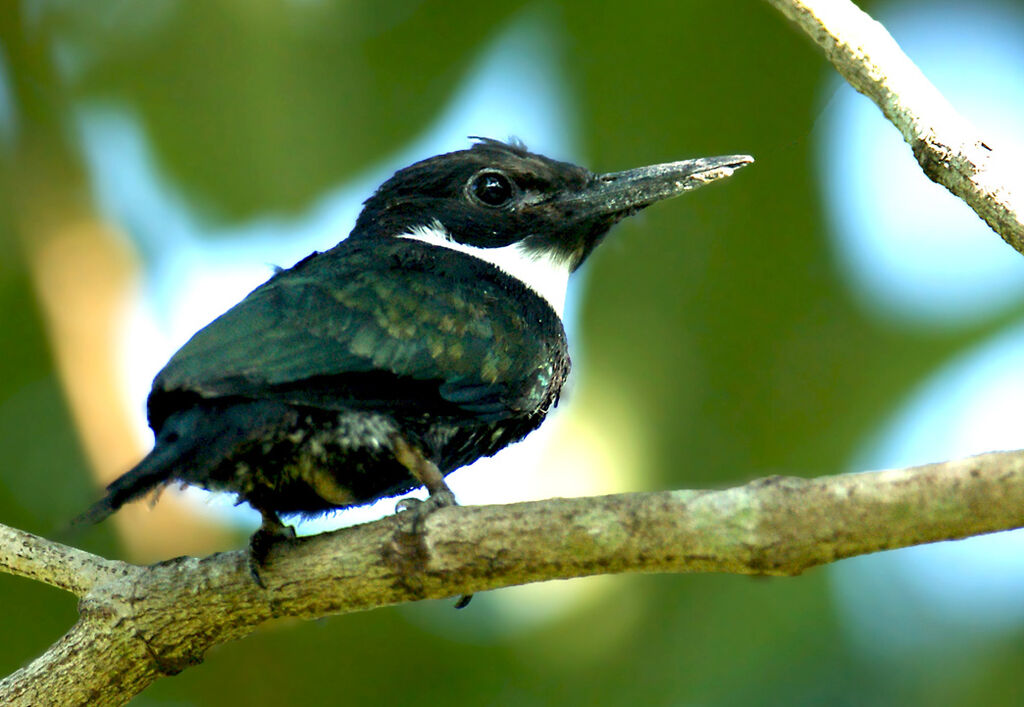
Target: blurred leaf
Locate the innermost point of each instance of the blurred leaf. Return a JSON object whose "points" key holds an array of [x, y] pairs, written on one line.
{"points": [[261, 106]]}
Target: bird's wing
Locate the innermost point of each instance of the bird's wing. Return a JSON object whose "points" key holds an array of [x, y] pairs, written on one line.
{"points": [[378, 324]]}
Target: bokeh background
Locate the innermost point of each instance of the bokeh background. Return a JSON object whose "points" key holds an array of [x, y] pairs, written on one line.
{"points": [[825, 310]]}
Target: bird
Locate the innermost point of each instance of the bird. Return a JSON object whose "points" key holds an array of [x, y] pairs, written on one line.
{"points": [[428, 338]]}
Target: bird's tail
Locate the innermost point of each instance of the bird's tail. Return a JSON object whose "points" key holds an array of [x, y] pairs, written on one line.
{"points": [[154, 470]]}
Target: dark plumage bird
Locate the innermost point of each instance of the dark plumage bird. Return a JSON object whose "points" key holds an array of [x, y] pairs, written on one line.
{"points": [[427, 339]]}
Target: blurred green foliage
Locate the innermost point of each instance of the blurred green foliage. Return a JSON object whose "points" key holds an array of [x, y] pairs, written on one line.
{"points": [[722, 316]]}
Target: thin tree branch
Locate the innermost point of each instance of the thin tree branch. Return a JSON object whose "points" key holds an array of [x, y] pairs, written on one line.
{"points": [[138, 623], [950, 150], [77, 571]]}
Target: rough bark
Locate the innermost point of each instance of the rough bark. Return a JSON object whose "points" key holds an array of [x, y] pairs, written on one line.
{"points": [[139, 623]]}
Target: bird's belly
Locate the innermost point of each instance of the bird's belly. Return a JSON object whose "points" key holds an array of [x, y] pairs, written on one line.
{"points": [[313, 461]]}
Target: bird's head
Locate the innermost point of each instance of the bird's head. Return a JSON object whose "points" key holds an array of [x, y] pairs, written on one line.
{"points": [[530, 215]]}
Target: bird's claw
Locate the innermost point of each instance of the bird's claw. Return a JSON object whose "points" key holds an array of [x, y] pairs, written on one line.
{"points": [[417, 509]]}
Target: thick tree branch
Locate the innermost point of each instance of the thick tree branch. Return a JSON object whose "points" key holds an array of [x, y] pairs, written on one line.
{"points": [[138, 623], [949, 149]]}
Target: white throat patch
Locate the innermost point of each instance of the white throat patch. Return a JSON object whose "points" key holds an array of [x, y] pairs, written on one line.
{"points": [[544, 275]]}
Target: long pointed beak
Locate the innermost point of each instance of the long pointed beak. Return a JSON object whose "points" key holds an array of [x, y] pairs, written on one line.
{"points": [[629, 191]]}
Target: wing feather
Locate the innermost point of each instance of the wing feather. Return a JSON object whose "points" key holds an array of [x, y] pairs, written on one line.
{"points": [[431, 335]]}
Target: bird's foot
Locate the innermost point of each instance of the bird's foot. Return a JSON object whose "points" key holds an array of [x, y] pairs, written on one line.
{"points": [[441, 498], [414, 510], [271, 532]]}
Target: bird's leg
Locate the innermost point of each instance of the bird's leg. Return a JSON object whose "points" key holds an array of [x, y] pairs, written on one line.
{"points": [[427, 473], [270, 531]]}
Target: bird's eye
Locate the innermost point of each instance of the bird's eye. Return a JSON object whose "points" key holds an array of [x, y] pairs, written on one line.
{"points": [[491, 188]]}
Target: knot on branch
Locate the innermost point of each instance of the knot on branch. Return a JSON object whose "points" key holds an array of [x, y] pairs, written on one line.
{"points": [[407, 555], [168, 664]]}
